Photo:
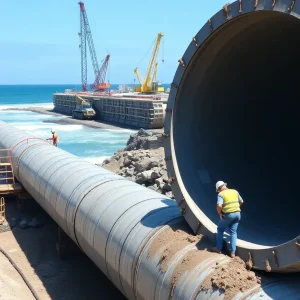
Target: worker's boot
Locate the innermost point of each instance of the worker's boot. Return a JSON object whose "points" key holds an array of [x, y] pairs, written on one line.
{"points": [[232, 255]]}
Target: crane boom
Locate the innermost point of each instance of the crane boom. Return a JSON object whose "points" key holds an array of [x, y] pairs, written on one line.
{"points": [[86, 35], [80, 100], [82, 46], [99, 84], [150, 84], [153, 60], [139, 76]]}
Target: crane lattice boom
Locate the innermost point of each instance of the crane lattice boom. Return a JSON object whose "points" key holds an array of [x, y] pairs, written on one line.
{"points": [[82, 35], [150, 84], [86, 35], [99, 83]]}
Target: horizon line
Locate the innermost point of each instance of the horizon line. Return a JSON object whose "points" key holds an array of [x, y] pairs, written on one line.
{"points": [[65, 84]]}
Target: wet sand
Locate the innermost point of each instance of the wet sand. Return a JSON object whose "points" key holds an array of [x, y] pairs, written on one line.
{"points": [[68, 120]]}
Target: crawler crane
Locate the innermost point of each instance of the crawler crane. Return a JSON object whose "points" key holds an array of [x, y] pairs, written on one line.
{"points": [[150, 85], [86, 36]]}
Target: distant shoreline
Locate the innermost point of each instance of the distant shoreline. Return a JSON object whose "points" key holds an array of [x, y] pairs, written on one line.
{"points": [[68, 120], [39, 110]]}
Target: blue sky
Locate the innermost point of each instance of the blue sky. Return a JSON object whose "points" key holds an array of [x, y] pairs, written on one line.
{"points": [[39, 40]]}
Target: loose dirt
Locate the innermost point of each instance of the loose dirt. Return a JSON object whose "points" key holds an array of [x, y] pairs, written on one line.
{"points": [[171, 240], [192, 259], [231, 278]]}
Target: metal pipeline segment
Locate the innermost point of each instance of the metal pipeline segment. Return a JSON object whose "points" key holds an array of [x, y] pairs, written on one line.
{"points": [[232, 116], [116, 222]]}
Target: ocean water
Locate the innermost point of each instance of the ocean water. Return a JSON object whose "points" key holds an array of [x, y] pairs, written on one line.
{"points": [[94, 145]]}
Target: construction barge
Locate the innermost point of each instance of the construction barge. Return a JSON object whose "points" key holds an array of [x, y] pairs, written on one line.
{"points": [[130, 109]]}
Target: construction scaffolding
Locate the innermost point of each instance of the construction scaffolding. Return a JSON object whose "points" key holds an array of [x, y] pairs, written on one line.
{"points": [[8, 184]]}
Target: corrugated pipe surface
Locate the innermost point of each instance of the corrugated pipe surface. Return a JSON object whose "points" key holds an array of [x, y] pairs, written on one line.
{"points": [[124, 228], [232, 115]]}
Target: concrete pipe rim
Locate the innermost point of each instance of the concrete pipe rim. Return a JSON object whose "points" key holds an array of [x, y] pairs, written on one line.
{"points": [[221, 26]]}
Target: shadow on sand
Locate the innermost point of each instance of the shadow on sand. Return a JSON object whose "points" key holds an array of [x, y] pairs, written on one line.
{"points": [[76, 277]]}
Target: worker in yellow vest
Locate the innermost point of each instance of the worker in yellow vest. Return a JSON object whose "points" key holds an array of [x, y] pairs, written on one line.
{"points": [[228, 208]]}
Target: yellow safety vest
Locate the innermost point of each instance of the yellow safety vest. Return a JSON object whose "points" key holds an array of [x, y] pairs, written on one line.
{"points": [[231, 201]]}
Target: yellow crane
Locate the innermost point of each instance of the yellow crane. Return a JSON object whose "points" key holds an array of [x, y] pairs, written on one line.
{"points": [[81, 101], [150, 84]]}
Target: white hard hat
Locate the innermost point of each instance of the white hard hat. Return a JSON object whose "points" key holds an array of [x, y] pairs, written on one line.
{"points": [[220, 184]]}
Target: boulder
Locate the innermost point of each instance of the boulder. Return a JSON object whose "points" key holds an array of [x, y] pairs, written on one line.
{"points": [[34, 223], [164, 175], [147, 175], [131, 139], [153, 143], [143, 165], [138, 162], [167, 187], [154, 162], [23, 224], [127, 161], [144, 177], [154, 175], [135, 158], [105, 162], [13, 222], [163, 172], [129, 172], [159, 181], [143, 132]]}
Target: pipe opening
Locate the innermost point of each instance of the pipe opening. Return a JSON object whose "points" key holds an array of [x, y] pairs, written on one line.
{"points": [[235, 119]]}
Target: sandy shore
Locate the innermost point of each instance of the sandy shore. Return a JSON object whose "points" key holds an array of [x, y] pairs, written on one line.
{"points": [[68, 120]]}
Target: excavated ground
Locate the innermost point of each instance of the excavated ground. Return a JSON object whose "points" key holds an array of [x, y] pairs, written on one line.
{"points": [[33, 251]]}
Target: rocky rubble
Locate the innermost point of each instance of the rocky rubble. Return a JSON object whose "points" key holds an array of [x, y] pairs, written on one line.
{"points": [[142, 161]]}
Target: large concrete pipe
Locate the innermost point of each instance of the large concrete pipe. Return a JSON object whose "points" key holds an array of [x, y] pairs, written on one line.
{"points": [[232, 116], [123, 227]]}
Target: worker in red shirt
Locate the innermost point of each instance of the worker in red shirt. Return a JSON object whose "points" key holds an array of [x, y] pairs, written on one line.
{"points": [[54, 138]]}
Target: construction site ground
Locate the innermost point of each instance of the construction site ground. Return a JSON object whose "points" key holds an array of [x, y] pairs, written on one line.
{"points": [[33, 251]]}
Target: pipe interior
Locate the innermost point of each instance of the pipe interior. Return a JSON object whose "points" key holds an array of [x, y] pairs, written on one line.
{"points": [[235, 119]]}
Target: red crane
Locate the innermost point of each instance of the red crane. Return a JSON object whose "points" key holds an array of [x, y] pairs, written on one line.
{"points": [[100, 73]]}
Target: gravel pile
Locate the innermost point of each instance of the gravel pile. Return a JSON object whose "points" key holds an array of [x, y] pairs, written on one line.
{"points": [[142, 161]]}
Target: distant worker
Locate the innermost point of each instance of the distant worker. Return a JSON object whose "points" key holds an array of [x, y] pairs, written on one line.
{"points": [[228, 208], [54, 138]]}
